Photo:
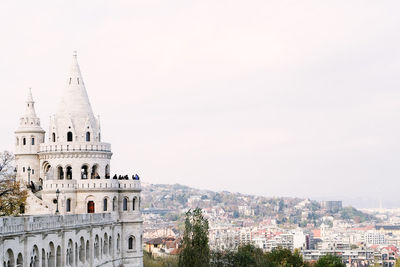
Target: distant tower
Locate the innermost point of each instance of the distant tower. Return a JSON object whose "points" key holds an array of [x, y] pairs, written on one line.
{"points": [[28, 138]]}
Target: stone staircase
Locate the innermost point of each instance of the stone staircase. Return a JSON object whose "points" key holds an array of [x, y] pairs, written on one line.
{"points": [[35, 204]]}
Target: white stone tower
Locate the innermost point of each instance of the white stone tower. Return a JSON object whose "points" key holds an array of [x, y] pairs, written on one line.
{"points": [[28, 138], [70, 172]]}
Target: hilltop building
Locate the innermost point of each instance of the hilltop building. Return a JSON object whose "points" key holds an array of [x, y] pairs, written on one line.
{"points": [[77, 214]]}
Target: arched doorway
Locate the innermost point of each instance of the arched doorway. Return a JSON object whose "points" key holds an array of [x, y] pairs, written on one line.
{"points": [[90, 206]]}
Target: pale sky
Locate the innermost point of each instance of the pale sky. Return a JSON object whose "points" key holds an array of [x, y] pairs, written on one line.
{"points": [[276, 98]]}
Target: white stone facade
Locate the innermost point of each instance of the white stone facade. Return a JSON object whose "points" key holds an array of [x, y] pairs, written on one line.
{"points": [[77, 214]]}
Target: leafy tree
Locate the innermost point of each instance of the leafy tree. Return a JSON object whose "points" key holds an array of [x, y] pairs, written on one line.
{"points": [[249, 255], [12, 196], [195, 250], [284, 257], [330, 261]]}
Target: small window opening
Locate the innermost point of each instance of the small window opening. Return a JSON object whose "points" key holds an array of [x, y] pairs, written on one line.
{"points": [[87, 136], [54, 137], [69, 172], [105, 204], [125, 204], [68, 208], [24, 141], [33, 141], [69, 137]]}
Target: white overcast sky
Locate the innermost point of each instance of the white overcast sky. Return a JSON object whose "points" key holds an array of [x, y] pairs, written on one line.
{"points": [[278, 98]]}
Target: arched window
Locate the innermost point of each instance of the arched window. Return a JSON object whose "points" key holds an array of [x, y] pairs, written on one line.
{"points": [[107, 171], [87, 136], [125, 204], [99, 137], [69, 173], [87, 250], [11, 259], [118, 243], [96, 247], [33, 141], [69, 137], [133, 203], [68, 205], [95, 174], [54, 137], [114, 204], [60, 173], [20, 260], [131, 242], [84, 172], [24, 141], [81, 253], [105, 202]]}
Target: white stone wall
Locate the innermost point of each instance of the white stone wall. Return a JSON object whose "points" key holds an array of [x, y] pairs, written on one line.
{"points": [[70, 240]]}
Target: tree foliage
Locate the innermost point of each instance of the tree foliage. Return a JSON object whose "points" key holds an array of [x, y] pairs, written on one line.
{"points": [[330, 261], [12, 195], [250, 256], [195, 250]]}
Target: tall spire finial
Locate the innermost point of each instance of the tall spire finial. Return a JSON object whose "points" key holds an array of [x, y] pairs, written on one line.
{"points": [[29, 98]]}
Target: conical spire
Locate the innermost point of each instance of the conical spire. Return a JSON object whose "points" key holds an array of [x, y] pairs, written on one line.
{"points": [[30, 106], [29, 121], [74, 113], [75, 101]]}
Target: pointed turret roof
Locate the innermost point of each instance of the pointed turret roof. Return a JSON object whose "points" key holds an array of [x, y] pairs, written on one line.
{"points": [[29, 121], [74, 112], [30, 106], [75, 102]]}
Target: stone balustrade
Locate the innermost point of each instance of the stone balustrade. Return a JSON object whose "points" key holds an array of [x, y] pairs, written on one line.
{"points": [[94, 184], [17, 225], [74, 147]]}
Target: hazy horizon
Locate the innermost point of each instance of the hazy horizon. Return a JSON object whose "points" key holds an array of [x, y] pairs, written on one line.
{"points": [[279, 98]]}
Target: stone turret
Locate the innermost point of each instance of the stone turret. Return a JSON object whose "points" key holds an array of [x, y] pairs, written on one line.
{"points": [[28, 138], [74, 120]]}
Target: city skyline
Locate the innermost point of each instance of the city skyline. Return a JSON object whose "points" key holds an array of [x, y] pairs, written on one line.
{"points": [[274, 99]]}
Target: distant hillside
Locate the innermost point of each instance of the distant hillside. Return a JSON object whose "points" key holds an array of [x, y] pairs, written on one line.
{"points": [[173, 200]]}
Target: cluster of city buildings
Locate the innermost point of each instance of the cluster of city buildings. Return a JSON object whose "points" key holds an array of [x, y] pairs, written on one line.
{"points": [[358, 244]]}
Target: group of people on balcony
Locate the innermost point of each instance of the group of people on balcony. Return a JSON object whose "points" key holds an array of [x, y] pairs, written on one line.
{"points": [[126, 177]]}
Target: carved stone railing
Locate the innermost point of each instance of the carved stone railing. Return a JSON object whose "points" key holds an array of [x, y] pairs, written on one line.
{"points": [[74, 147], [15, 225], [92, 184]]}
